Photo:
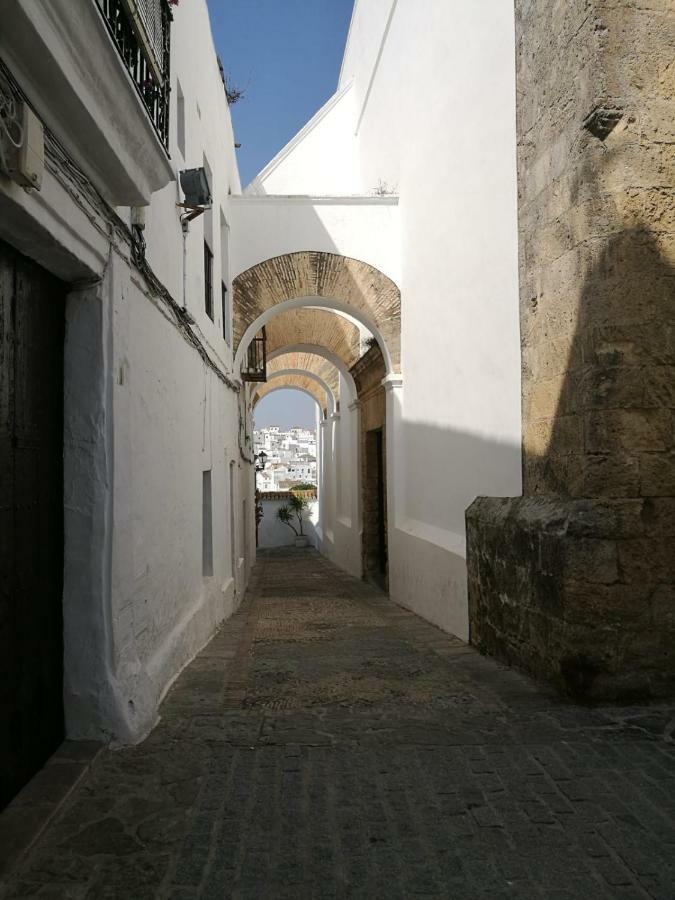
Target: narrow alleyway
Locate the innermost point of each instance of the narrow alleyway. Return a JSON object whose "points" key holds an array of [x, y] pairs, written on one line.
{"points": [[327, 743]]}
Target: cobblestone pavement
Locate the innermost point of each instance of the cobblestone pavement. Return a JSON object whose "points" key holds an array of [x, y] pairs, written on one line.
{"points": [[329, 744]]}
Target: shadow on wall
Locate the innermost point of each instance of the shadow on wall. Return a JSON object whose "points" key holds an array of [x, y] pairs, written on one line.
{"points": [[576, 581], [456, 466], [612, 425]]}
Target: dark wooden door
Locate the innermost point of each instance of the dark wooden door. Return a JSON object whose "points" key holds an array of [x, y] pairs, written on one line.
{"points": [[374, 510], [31, 518], [381, 515]]}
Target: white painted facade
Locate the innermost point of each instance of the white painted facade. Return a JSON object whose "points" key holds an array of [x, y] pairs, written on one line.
{"points": [[340, 513], [273, 533], [145, 415], [410, 168], [424, 108], [291, 457]]}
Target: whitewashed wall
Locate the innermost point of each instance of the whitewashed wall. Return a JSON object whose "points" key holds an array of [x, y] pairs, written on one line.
{"points": [[339, 515], [319, 157], [452, 159], [273, 533], [209, 137], [144, 416], [365, 228], [432, 91], [173, 419]]}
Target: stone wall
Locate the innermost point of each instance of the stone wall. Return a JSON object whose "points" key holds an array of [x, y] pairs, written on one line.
{"points": [[577, 591], [596, 158], [583, 590]]}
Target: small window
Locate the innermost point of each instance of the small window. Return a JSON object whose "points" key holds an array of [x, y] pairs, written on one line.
{"points": [[207, 525], [180, 119], [226, 312], [208, 281]]}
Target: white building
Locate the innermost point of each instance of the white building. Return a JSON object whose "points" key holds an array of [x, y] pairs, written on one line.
{"points": [[393, 216], [404, 171], [295, 449], [156, 490]]}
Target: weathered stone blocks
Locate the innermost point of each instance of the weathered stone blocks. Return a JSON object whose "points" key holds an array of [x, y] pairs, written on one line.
{"points": [[575, 581], [581, 592]]}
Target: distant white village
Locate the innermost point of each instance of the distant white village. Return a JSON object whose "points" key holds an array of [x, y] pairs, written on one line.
{"points": [[291, 457]]}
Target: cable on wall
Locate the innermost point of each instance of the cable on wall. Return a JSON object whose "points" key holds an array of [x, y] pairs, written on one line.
{"points": [[85, 195]]}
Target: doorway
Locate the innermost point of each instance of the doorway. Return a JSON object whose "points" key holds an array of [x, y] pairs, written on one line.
{"points": [[32, 304], [374, 510]]}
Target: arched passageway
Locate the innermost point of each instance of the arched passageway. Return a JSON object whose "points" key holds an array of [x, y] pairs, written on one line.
{"points": [[312, 363], [304, 381], [332, 328], [338, 282]]}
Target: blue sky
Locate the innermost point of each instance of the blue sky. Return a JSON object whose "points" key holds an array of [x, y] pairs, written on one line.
{"points": [[287, 55], [286, 408]]}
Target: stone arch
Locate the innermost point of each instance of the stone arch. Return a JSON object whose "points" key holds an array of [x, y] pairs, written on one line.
{"points": [[310, 363], [331, 398], [355, 286], [337, 308], [316, 350], [301, 382], [320, 328]]}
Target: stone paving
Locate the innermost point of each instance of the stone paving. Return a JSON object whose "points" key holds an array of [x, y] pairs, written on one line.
{"points": [[330, 744]]}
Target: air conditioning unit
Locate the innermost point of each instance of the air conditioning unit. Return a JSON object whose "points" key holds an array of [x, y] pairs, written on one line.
{"points": [[196, 187]]}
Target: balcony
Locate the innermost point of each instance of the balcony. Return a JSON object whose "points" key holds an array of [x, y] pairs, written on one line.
{"points": [[141, 30], [97, 73], [254, 367]]}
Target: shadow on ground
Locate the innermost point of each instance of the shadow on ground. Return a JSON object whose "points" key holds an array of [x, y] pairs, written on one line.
{"points": [[328, 743]]}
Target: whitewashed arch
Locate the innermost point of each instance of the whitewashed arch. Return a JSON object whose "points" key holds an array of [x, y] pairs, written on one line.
{"points": [[339, 307], [330, 397], [326, 354], [292, 387]]}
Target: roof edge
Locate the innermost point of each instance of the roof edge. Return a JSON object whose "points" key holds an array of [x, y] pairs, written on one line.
{"points": [[297, 139]]}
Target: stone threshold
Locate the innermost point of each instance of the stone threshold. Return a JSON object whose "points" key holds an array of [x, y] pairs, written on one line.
{"points": [[36, 804]]}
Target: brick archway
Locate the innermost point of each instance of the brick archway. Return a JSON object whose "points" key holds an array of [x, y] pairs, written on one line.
{"points": [[305, 383], [356, 285], [310, 363]]}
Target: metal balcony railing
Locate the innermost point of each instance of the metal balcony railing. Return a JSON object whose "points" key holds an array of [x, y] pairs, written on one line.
{"points": [[141, 31], [254, 367]]}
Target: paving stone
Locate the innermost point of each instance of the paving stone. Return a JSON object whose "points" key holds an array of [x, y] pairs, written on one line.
{"points": [[329, 744]]}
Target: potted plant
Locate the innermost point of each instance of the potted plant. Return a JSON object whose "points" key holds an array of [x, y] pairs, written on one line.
{"points": [[291, 515]]}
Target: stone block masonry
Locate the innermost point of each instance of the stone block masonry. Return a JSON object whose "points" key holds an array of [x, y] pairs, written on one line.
{"points": [[580, 587], [585, 595]]}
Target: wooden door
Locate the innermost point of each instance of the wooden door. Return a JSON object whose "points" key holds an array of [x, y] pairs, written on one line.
{"points": [[31, 518]]}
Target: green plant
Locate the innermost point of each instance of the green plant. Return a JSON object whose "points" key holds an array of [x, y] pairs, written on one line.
{"points": [[233, 93], [294, 509], [304, 486]]}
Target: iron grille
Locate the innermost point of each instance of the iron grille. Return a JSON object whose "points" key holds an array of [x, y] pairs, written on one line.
{"points": [[254, 367], [141, 31]]}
